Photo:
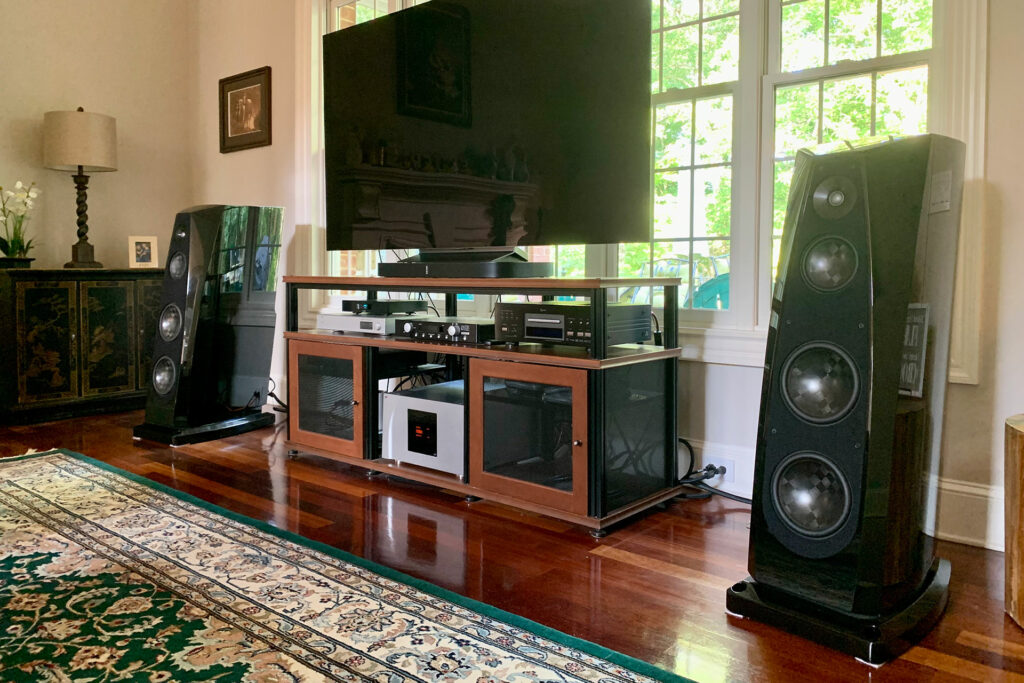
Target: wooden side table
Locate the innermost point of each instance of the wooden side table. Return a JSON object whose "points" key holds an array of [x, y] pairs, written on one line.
{"points": [[1014, 501]]}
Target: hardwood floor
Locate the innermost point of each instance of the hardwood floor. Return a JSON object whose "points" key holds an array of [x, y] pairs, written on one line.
{"points": [[654, 589]]}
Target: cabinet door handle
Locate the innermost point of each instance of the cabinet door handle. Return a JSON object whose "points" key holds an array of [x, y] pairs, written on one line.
{"points": [[577, 443], [354, 402]]}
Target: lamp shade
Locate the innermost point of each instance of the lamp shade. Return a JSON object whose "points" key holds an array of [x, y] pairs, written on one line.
{"points": [[79, 138]]}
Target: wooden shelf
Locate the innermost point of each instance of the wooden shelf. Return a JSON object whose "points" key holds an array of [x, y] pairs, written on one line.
{"points": [[563, 356], [597, 376]]}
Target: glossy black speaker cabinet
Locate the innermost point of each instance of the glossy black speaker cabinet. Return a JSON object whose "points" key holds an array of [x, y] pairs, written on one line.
{"points": [[839, 547], [215, 330]]}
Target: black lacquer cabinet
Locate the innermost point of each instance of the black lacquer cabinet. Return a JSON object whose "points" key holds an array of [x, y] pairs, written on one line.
{"points": [[75, 341]]}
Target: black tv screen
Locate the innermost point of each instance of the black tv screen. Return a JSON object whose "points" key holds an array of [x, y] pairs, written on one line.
{"points": [[469, 123]]}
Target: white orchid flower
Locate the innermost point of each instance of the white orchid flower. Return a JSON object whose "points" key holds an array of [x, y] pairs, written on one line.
{"points": [[33, 193], [18, 185]]}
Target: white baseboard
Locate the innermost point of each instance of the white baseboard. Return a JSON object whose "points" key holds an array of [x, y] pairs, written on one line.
{"points": [[968, 513]]}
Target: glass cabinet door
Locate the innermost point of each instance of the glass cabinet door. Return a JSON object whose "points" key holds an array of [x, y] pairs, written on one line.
{"points": [[325, 388], [528, 431]]}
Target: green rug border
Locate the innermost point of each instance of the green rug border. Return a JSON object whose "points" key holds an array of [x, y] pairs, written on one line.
{"points": [[632, 663]]}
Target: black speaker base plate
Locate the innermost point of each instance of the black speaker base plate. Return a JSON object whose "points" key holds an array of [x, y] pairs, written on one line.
{"points": [[179, 436], [873, 640]]}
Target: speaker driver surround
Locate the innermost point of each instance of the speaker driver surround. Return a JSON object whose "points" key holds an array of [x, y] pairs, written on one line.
{"points": [[164, 375], [170, 322], [819, 382], [829, 264], [810, 494], [834, 197]]}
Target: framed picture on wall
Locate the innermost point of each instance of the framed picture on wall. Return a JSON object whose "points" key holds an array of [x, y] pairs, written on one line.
{"points": [[245, 110], [143, 252]]}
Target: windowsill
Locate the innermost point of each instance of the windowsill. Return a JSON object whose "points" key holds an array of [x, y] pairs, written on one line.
{"points": [[723, 346]]}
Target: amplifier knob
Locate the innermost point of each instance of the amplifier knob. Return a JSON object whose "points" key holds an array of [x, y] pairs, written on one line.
{"points": [[407, 327], [453, 330]]}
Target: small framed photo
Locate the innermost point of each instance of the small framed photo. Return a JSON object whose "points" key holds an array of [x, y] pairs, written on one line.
{"points": [[245, 110], [143, 252]]}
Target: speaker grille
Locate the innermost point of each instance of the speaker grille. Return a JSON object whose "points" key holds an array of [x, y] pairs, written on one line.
{"points": [[819, 383], [829, 264], [810, 494]]}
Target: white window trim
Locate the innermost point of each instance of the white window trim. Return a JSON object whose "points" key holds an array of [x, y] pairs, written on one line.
{"points": [[960, 92], [307, 254]]}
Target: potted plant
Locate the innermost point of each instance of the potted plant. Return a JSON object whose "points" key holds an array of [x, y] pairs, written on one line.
{"points": [[14, 209]]}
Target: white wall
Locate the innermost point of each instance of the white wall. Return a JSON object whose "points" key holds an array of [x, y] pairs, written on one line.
{"points": [[234, 36], [976, 415], [131, 60]]}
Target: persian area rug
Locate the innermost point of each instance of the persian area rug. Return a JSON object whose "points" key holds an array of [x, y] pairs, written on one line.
{"points": [[106, 576]]}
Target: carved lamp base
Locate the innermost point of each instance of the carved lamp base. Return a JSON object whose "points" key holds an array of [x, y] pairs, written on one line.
{"points": [[82, 256]]}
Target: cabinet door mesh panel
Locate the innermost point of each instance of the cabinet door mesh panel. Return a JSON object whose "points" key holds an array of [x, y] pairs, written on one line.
{"points": [[325, 396]]}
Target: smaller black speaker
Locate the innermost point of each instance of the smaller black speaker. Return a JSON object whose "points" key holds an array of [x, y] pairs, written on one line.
{"points": [[215, 331]]}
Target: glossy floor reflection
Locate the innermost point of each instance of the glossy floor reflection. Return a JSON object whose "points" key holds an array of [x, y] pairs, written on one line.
{"points": [[654, 589]]}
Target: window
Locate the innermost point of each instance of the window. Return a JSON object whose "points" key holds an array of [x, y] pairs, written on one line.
{"points": [[844, 70], [737, 86], [695, 69]]}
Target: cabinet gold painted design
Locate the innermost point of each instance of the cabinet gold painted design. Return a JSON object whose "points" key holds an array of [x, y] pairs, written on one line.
{"points": [[47, 357]]}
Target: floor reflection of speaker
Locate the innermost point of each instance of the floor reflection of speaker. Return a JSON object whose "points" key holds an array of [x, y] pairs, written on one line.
{"points": [[841, 550]]}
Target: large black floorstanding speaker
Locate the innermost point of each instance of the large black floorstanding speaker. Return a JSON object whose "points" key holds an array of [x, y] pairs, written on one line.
{"points": [[852, 399], [215, 333]]}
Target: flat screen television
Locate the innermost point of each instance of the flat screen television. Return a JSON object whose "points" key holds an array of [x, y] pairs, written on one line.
{"points": [[486, 124]]}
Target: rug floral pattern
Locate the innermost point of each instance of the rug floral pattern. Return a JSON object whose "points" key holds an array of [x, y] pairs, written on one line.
{"points": [[103, 578]]}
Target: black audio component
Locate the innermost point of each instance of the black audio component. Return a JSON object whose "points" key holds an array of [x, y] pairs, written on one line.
{"points": [[568, 322], [447, 329], [215, 332], [384, 306], [840, 550]]}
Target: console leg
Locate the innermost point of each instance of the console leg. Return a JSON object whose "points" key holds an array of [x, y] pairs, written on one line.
{"points": [[373, 474], [293, 454], [471, 499], [598, 533]]}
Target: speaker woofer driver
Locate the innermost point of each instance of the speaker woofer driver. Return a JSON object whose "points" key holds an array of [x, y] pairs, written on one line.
{"points": [[829, 264], [170, 322], [164, 374], [820, 383], [834, 197], [810, 494], [176, 265]]}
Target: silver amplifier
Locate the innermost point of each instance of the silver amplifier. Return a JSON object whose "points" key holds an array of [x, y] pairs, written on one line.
{"points": [[351, 322]]}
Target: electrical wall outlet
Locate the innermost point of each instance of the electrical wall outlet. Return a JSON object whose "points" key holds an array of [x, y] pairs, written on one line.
{"points": [[730, 469]]}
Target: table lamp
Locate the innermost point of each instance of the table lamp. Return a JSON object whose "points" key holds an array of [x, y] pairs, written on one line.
{"points": [[80, 141]]}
